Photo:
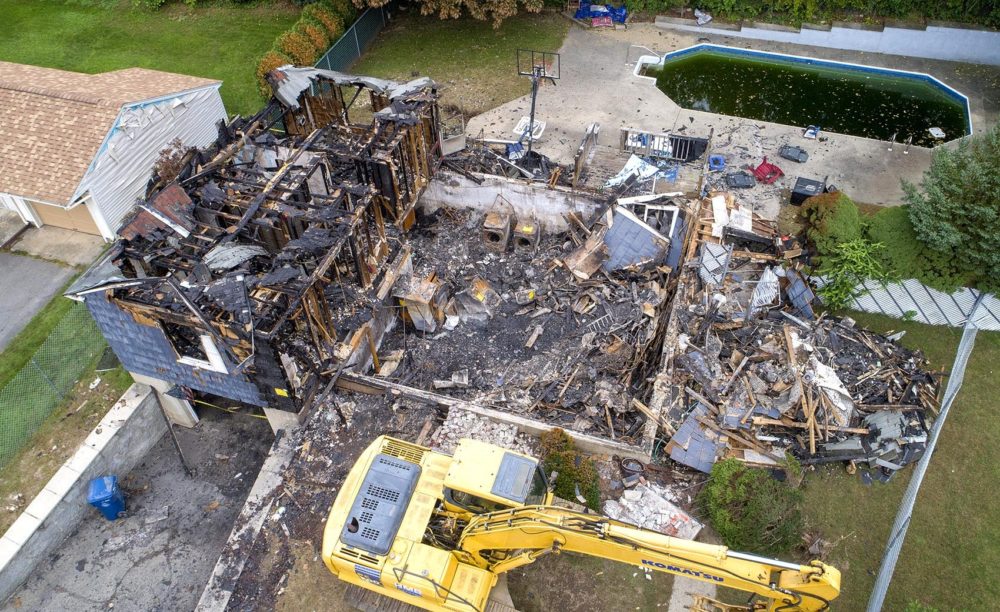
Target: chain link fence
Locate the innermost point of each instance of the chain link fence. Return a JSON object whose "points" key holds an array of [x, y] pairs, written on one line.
{"points": [[356, 39], [898, 534], [42, 384]]}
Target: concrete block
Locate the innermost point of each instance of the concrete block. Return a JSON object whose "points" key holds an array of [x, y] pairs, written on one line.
{"points": [[103, 433], [22, 529], [43, 504], [8, 550], [180, 412], [82, 458], [282, 419], [63, 481]]}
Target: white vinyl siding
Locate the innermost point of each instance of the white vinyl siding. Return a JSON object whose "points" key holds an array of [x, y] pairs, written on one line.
{"points": [[122, 168]]}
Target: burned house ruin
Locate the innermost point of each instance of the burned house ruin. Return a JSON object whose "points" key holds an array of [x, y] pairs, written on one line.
{"points": [[259, 268]]}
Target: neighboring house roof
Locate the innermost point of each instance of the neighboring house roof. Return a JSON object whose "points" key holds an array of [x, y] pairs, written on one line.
{"points": [[52, 122]]}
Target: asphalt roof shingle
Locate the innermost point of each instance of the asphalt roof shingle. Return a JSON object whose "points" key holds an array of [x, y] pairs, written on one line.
{"points": [[52, 122]]}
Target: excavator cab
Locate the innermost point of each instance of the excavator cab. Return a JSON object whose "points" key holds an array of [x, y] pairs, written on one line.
{"points": [[484, 478]]}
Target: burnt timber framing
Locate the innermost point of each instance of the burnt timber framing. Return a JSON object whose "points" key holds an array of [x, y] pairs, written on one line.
{"points": [[259, 265]]}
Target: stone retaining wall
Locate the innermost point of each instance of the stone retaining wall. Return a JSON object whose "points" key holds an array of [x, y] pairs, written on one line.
{"points": [[935, 41]]}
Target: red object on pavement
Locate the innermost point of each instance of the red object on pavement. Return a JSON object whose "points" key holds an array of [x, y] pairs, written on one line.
{"points": [[767, 173]]}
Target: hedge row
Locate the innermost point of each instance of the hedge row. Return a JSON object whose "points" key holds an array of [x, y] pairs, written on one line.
{"points": [[986, 12], [321, 24], [833, 219]]}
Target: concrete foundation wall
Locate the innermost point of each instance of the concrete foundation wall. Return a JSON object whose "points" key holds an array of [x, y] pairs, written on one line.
{"points": [[934, 42], [215, 597], [527, 198], [115, 446]]}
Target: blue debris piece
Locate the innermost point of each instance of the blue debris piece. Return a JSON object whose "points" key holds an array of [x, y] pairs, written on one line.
{"points": [[800, 295], [595, 11], [691, 446], [630, 242]]}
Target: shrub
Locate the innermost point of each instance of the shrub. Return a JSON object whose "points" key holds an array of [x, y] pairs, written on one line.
{"points": [[344, 9], [333, 24], [851, 263], [268, 62], [297, 46], [315, 32], [904, 256], [652, 7], [832, 218], [575, 469], [752, 511]]}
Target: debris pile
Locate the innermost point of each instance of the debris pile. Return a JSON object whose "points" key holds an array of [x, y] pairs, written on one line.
{"points": [[649, 506], [462, 424], [757, 375], [558, 327]]}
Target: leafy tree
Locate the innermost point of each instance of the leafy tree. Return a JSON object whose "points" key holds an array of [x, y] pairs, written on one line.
{"points": [[495, 10], [851, 263], [955, 210], [752, 511]]}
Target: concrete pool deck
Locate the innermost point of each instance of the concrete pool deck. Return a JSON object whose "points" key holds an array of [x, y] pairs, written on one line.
{"points": [[597, 85]]}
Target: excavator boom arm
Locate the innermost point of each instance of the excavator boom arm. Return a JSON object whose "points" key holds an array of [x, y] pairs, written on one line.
{"points": [[501, 541]]}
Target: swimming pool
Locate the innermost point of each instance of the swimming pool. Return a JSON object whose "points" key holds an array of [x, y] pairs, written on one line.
{"points": [[840, 97]]}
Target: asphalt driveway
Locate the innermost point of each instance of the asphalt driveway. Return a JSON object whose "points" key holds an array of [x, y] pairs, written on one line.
{"points": [[26, 286]]}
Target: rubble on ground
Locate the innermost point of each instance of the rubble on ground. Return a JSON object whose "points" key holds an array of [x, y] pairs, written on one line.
{"points": [[758, 375], [562, 327], [649, 506], [461, 424]]}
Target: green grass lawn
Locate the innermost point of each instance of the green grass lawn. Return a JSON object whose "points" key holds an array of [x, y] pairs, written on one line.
{"points": [[217, 41], [953, 544], [27, 341], [475, 65]]}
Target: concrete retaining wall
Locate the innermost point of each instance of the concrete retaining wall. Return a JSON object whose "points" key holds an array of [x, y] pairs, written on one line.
{"points": [[938, 41], [122, 438], [528, 198]]}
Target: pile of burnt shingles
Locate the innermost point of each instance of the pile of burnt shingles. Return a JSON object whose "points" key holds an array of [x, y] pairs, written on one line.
{"points": [[758, 377]]}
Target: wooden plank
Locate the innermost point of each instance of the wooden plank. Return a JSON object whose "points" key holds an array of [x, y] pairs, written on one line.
{"points": [[585, 442], [798, 425]]}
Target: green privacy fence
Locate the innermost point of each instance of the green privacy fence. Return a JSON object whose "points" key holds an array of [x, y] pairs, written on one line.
{"points": [[42, 384]]}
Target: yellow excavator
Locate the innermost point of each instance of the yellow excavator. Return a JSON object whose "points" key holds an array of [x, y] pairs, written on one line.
{"points": [[438, 531]]}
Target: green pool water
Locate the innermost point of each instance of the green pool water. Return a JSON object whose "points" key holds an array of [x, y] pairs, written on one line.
{"points": [[838, 99]]}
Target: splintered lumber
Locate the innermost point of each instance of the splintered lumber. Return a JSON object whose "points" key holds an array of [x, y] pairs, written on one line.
{"points": [[797, 425], [534, 336], [643, 408], [701, 398]]}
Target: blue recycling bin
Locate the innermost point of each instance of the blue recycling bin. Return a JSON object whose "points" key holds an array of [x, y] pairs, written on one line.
{"points": [[107, 496]]}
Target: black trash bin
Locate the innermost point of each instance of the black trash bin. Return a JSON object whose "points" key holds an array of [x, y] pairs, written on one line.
{"points": [[805, 188]]}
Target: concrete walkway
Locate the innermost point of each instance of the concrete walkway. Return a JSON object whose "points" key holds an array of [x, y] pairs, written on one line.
{"points": [[682, 594], [26, 286], [597, 85], [60, 245]]}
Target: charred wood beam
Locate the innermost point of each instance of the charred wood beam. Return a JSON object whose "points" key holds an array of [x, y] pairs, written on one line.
{"points": [[278, 177]]}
